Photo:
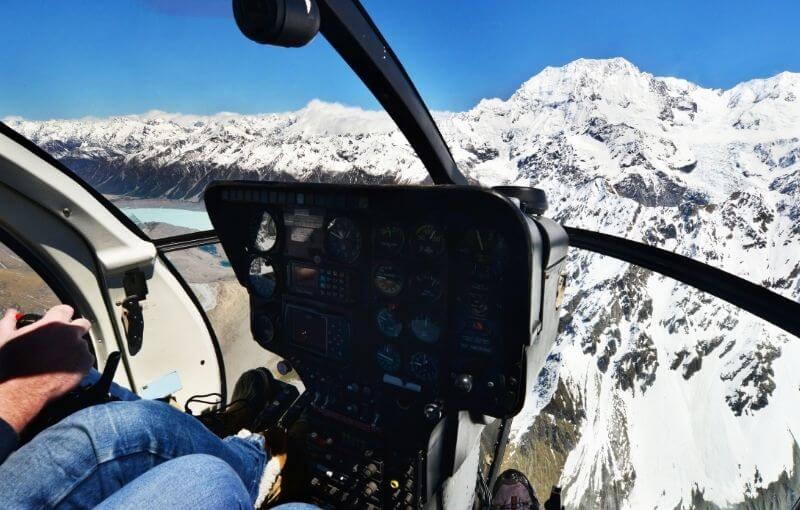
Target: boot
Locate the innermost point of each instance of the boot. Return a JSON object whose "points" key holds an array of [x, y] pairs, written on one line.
{"points": [[253, 391]]}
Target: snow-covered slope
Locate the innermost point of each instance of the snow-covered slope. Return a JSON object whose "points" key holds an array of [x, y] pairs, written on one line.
{"points": [[657, 396]]}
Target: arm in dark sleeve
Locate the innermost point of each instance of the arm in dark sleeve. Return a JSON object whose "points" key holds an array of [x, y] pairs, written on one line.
{"points": [[8, 440]]}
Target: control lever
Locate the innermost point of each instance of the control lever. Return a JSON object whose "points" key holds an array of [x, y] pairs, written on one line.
{"points": [[102, 388], [75, 400]]}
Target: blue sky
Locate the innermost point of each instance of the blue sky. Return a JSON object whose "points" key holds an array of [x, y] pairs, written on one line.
{"points": [[72, 59]]}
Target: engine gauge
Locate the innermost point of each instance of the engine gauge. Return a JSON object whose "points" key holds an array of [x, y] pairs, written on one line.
{"points": [[388, 279], [428, 287], [266, 234], [388, 321], [484, 249], [426, 328], [481, 244], [343, 240], [428, 240], [423, 366], [388, 358], [478, 304], [261, 277], [263, 329], [390, 239]]}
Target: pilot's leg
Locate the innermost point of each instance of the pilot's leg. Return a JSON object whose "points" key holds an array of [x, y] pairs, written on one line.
{"points": [[197, 482], [90, 455]]}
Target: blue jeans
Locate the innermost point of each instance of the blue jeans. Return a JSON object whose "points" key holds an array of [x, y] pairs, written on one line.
{"points": [[199, 482], [196, 481], [103, 453]]}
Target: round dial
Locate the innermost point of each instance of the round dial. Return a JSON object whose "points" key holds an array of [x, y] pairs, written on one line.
{"points": [[478, 304], [388, 358], [390, 238], [425, 327], [343, 240], [484, 249], [388, 322], [428, 287], [388, 279], [423, 366], [262, 278], [476, 336], [266, 234], [263, 329], [428, 240]]}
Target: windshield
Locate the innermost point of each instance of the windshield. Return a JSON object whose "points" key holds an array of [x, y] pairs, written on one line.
{"points": [[675, 124], [183, 99]]}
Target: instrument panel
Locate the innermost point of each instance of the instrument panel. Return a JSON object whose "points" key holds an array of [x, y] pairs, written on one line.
{"points": [[423, 293], [399, 307]]}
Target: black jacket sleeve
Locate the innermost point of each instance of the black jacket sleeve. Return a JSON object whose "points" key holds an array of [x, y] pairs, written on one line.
{"points": [[8, 440]]}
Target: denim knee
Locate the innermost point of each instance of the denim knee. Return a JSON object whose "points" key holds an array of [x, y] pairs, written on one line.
{"points": [[214, 473], [119, 428], [196, 481]]}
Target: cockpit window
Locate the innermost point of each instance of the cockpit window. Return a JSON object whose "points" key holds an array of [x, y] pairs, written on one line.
{"points": [[660, 396], [150, 119], [21, 287]]}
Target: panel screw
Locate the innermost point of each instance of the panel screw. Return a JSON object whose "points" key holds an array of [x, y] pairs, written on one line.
{"points": [[66, 212]]}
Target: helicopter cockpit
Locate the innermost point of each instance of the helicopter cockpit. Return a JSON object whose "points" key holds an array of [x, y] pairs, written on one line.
{"points": [[409, 322]]}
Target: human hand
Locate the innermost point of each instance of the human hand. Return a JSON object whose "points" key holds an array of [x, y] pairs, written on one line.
{"points": [[40, 362]]}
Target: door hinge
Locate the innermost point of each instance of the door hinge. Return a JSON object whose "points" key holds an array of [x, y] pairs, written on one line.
{"points": [[135, 285]]}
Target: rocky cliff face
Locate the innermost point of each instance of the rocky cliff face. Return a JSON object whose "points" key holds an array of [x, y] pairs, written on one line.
{"points": [[656, 396]]}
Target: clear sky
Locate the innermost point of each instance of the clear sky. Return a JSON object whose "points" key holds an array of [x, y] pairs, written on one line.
{"points": [[66, 59]]}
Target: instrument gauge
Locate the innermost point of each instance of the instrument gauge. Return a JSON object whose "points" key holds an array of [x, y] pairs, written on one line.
{"points": [[388, 321], [428, 241], [390, 238], [428, 287], [478, 304], [261, 277], [388, 358], [388, 279], [482, 244], [343, 240], [423, 366], [484, 250], [266, 234], [426, 328], [263, 329]]}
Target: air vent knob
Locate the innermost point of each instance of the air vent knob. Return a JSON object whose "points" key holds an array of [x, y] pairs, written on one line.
{"points": [[463, 382], [433, 411]]}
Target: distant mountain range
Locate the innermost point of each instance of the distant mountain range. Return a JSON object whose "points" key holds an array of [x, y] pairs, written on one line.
{"points": [[657, 396]]}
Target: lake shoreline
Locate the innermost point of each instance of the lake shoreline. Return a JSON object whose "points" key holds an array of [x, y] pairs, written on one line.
{"points": [[156, 203]]}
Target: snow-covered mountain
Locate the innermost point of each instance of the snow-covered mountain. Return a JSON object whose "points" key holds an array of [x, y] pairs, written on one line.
{"points": [[657, 396]]}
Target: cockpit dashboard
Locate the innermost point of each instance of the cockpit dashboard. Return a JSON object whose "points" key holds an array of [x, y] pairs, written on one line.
{"points": [[420, 289], [400, 307]]}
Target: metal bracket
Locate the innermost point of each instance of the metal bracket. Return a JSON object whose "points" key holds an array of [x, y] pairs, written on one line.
{"points": [[136, 291]]}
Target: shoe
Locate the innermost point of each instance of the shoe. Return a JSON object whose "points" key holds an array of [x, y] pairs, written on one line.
{"points": [[286, 471], [513, 491], [253, 391]]}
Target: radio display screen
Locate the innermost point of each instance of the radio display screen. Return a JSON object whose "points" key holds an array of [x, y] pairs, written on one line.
{"points": [[307, 329], [305, 278]]}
